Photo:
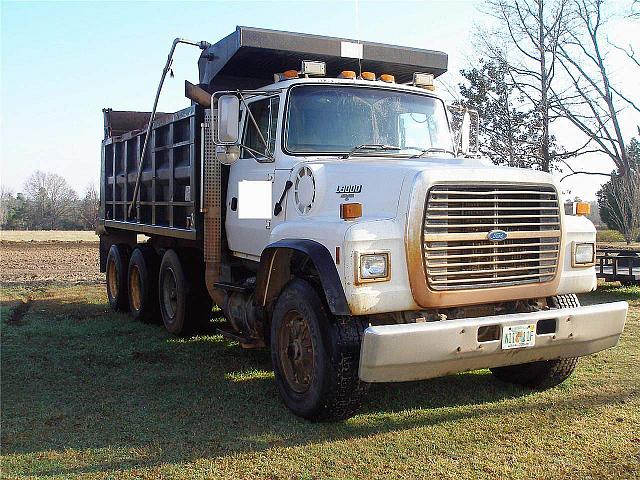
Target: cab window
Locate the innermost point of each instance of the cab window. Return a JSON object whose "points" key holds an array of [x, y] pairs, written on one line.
{"points": [[265, 113]]}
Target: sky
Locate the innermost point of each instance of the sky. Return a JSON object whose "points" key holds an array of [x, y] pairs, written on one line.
{"points": [[61, 63]]}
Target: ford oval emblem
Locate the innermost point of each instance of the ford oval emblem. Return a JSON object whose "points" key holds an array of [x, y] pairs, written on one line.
{"points": [[497, 235]]}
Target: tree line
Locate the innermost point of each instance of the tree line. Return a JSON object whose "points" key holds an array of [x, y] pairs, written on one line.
{"points": [[48, 202]]}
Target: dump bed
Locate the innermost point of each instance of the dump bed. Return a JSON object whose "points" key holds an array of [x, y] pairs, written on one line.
{"points": [[168, 202]]}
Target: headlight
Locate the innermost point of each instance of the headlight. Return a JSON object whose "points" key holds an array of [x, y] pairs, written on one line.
{"points": [[373, 267], [584, 254]]}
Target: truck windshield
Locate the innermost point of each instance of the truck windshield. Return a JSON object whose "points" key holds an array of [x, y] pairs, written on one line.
{"points": [[338, 119]]}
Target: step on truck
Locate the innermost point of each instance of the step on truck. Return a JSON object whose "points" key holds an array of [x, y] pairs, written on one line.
{"points": [[320, 193]]}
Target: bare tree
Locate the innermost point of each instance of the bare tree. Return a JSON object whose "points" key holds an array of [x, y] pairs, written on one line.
{"points": [[51, 199], [591, 101], [6, 198], [89, 208], [621, 199], [530, 33]]}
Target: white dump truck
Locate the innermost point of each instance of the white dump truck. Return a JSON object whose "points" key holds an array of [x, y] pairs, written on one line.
{"points": [[316, 193]]}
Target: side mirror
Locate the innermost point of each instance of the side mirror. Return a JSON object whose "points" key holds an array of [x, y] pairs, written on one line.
{"points": [[465, 132], [228, 120]]}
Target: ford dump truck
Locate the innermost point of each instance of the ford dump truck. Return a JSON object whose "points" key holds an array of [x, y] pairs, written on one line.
{"points": [[315, 192]]}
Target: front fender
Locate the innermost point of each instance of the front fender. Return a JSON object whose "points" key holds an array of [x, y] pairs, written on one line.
{"points": [[273, 272]]}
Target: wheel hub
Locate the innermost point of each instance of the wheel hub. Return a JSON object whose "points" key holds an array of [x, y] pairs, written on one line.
{"points": [[296, 352], [112, 279], [136, 289], [170, 293]]}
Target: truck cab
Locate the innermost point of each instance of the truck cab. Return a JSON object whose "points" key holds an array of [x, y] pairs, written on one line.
{"points": [[335, 216]]}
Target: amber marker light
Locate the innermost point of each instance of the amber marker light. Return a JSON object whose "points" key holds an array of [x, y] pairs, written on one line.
{"points": [[350, 74], [583, 208], [385, 77], [368, 76], [350, 211], [290, 74]]}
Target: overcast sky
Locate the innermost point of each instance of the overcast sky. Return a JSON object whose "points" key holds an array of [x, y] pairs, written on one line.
{"points": [[61, 63]]}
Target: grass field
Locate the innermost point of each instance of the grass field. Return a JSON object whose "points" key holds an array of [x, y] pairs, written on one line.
{"points": [[90, 393]]}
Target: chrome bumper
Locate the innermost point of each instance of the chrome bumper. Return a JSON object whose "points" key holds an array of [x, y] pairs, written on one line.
{"points": [[416, 351]]}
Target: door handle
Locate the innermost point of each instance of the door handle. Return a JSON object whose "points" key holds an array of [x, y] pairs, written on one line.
{"points": [[278, 206]]}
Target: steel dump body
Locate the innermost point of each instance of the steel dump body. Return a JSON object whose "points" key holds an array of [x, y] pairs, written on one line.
{"points": [[168, 203]]}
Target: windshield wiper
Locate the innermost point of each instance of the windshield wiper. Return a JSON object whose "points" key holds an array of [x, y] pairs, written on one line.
{"points": [[424, 151], [376, 147]]}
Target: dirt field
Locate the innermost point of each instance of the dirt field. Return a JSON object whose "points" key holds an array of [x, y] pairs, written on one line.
{"points": [[49, 262]]}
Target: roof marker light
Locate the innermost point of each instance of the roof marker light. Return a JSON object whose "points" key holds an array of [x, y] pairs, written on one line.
{"points": [[289, 74], [313, 68], [423, 80], [385, 77], [368, 76], [350, 74]]}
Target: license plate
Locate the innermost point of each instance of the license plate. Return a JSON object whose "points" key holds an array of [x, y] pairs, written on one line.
{"points": [[518, 336]]}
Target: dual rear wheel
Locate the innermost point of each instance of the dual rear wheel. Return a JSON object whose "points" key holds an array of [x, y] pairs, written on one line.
{"points": [[172, 289]]}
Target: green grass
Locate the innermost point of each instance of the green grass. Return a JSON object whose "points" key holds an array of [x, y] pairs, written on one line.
{"points": [[86, 392]]}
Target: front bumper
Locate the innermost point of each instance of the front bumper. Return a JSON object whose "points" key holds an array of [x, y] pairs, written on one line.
{"points": [[416, 351]]}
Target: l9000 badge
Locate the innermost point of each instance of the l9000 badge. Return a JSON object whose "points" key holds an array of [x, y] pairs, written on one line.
{"points": [[349, 189], [497, 235]]}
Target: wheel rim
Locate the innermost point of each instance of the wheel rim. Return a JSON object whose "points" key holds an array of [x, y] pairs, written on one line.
{"points": [[136, 289], [170, 293], [112, 279], [296, 352]]}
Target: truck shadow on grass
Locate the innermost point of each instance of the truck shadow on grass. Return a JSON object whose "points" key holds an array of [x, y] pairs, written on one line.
{"points": [[76, 376]]}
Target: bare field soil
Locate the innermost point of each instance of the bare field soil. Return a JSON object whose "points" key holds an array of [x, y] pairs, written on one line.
{"points": [[49, 262], [89, 393], [47, 235]]}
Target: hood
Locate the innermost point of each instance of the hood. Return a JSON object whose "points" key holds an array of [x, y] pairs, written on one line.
{"points": [[379, 183]]}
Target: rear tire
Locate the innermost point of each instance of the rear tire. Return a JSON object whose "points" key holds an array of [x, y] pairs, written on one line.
{"points": [[143, 284], [544, 374], [538, 375], [116, 275], [316, 356], [184, 303]]}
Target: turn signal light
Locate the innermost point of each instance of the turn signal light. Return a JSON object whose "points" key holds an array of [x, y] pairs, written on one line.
{"points": [[350, 74], [583, 208], [385, 77], [350, 211], [368, 76]]}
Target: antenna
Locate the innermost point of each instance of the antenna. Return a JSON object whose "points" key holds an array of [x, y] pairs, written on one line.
{"points": [[358, 36]]}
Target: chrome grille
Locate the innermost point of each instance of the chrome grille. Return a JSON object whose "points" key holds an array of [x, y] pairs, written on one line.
{"points": [[458, 218]]}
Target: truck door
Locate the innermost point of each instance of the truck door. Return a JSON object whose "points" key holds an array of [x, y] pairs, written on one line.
{"points": [[249, 236]]}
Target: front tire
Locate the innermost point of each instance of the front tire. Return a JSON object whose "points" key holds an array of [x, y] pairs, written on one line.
{"points": [[315, 356], [544, 374]]}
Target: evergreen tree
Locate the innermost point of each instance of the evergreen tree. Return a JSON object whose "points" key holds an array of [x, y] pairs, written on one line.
{"points": [[510, 133]]}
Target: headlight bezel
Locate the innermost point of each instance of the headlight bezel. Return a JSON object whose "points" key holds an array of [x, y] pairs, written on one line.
{"points": [[361, 278], [575, 247]]}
